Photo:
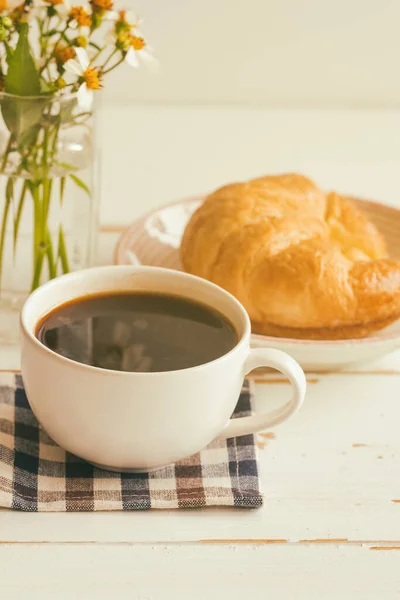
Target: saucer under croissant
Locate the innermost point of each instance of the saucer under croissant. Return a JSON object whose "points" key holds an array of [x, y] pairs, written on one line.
{"points": [[317, 273]]}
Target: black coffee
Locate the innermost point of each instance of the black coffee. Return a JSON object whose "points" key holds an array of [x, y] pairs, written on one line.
{"points": [[137, 332]]}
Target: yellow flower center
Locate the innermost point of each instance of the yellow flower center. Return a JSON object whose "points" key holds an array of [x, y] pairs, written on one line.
{"points": [[103, 4], [137, 43], [91, 77], [81, 16], [64, 53], [18, 13]]}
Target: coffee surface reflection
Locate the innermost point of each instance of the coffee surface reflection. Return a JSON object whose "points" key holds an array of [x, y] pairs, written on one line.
{"points": [[137, 332]]}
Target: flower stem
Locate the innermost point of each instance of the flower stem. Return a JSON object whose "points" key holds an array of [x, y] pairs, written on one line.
{"points": [[108, 59], [6, 153], [62, 247], [47, 186], [62, 251], [78, 119], [99, 51], [37, 273], [6, 209], [19, 214], [113, 67], [7, 203], [50, 255], [38, 157], [62, 33], [38, 247]]}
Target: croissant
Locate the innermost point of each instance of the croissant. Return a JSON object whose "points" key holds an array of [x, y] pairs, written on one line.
{"points": [[304, 264]]}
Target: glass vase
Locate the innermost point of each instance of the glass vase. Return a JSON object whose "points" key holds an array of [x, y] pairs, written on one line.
{"points": [[48, 215]]}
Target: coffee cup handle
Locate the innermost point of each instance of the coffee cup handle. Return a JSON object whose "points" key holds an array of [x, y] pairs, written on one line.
{"points": [[264, 357]]}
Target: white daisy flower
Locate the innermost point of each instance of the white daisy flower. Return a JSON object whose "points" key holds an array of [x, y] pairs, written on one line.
{"points": [[138, 50], [11, 4], [89, 77], [127, 18], [126, 23], [79, 15], [47, 3]]}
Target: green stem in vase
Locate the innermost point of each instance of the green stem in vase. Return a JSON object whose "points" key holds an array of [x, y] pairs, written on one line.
{"points": [[62, 251], [38, 247], [50, 256], [6, 153], [37, 106], [17, 220], [46, 187], [40, 155], [7, 204], [78, 119], [9, 198], [47, 184], [37, 272], [3, 233], [62, 255]]}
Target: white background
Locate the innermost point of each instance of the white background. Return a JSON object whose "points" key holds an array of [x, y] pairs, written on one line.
{"points": [[279, 53], [250, 87]]}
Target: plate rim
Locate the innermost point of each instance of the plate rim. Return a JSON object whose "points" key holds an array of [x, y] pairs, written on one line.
{"points": [[256, 336]]}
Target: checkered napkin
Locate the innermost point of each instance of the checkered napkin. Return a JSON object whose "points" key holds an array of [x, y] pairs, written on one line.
{"points": [[38, 475]]}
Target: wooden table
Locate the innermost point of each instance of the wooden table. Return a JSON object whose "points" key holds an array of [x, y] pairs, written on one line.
{"points": [[330, 527]]}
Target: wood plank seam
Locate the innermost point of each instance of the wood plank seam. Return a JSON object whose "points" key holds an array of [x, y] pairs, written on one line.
{"points": [[372, 544]]}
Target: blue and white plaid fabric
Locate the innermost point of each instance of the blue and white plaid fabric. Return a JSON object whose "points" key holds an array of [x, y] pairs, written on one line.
{"points": [[38, 475]]}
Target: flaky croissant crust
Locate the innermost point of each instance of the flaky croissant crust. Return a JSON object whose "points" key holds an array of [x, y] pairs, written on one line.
{"points": [[305, 264]]}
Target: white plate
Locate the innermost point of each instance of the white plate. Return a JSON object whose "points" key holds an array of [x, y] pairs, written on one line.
{"points": [[155, 240]]}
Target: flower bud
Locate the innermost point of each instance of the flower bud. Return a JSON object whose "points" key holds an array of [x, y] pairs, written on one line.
{"points": [[81, 41], [60, 83]]}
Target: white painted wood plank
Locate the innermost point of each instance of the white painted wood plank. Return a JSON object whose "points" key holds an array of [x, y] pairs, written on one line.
{"points": [[343, 443], [290, 519], [320, 480], [198, 572]]}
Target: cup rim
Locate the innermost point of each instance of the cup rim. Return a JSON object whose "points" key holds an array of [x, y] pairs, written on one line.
{"points": [[28, 332]]}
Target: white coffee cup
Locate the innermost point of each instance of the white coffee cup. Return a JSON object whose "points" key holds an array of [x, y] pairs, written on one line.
{"points": [[143, 421]]}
